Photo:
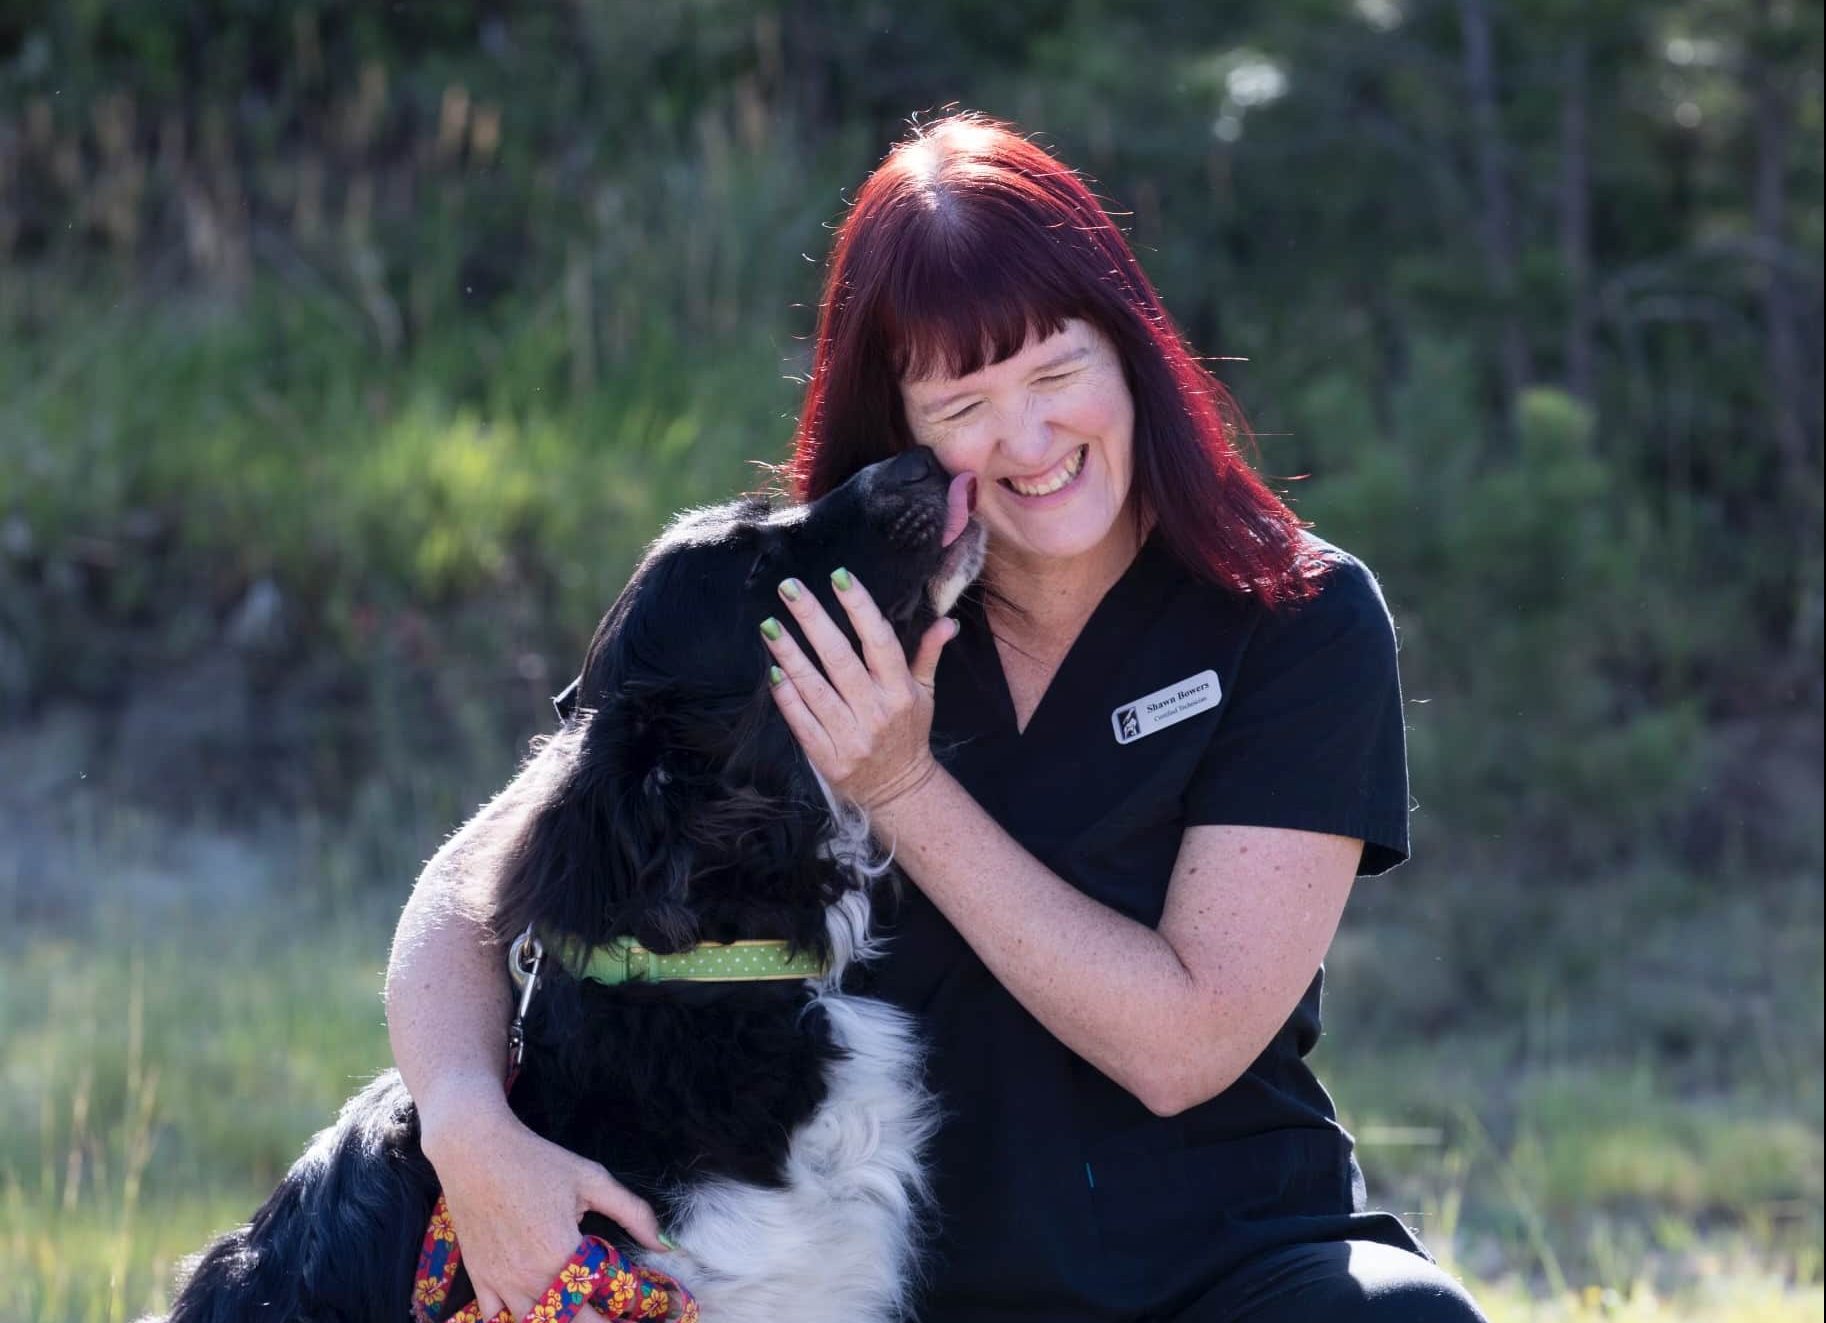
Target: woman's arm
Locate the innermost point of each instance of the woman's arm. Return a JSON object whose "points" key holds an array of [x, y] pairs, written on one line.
{"points": [[515, 1199], [448, 998], [1173, 1014]]}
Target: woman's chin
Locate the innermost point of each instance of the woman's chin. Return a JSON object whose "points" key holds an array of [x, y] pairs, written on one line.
{"points": [[1047, 540]]}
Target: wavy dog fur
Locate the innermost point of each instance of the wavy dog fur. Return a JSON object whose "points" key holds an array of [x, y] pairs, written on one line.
{"points": [[777, 1127]]}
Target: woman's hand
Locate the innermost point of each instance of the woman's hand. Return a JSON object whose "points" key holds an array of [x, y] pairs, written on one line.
{"points": [[516, 1201], [868, 727]]}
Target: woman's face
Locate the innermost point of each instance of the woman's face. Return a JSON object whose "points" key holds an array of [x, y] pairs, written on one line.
{"points": [[1049, 434]]}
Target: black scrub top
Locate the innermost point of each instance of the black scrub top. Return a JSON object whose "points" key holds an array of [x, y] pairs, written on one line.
{"points": [[1060, 1197]]}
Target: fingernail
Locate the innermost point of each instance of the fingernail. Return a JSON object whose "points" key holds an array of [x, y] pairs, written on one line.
{"points": [[789, 589], [841, 578], [775, 676], [664, 1239], [957, 627], [770, 630]]}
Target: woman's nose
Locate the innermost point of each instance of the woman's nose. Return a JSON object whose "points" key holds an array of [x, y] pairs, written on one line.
{"points": [[1027, 440]]}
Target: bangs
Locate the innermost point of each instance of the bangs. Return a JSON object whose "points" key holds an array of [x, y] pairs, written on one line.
{"points": [[955, 304], [966, 244]]}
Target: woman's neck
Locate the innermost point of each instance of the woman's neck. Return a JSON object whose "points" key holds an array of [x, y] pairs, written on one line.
{"points": [[1049, 599]]}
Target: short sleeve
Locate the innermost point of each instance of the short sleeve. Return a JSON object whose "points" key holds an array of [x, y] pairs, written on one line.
{"points": [[1311, 735]]}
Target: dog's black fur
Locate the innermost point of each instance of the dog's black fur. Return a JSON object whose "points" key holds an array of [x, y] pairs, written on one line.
{"points": [[674, 806]]}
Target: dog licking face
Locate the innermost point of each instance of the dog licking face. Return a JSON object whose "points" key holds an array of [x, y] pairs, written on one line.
{"points": [[903, 526], [688, 813]]}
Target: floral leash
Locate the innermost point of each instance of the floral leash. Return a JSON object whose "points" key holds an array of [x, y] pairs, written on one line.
{"points": [[596, 1274]]}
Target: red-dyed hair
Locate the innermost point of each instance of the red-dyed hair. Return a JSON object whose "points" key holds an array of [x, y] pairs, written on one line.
{"points": [[967, 241]]}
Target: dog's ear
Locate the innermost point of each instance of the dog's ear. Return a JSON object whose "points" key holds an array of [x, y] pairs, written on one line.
{"points": [[601, 855], [769, 556]]}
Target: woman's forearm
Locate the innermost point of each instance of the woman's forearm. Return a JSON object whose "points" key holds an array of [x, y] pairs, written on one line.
{"points": [[1174, 1014], [1111, 989], [514, 1198]]}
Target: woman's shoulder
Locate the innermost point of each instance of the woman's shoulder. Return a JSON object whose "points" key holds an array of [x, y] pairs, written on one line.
{"points": [[1345, 587], [1341, 637], [1343, 592]]}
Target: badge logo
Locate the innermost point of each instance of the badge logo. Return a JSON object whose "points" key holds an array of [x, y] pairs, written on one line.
{"points": [[1128, 724], [1166, 707]]}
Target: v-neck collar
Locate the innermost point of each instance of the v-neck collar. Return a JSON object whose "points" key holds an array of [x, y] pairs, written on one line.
{"points": [[1124, 606]]}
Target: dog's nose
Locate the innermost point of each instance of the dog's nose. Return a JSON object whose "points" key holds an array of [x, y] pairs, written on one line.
{"points": [[916, 465]]}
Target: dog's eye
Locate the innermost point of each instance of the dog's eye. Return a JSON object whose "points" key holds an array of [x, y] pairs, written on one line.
{"points": [[656, 780]]}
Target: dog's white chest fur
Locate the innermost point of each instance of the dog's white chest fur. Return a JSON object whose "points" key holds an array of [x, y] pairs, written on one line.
{"points": [[838, 1242]]}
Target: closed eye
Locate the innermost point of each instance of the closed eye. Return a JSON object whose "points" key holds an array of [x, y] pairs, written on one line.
{"points": [[1038, 381]]}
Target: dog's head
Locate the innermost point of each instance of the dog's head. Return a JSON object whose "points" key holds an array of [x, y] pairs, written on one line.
{"points": [[678, 808]]}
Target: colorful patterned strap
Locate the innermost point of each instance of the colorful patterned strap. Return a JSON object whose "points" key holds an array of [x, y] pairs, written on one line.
{"points": [[596, 1275]]}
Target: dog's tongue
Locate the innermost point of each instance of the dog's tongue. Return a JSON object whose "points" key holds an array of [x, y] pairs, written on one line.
{"points": [[960, 500]]}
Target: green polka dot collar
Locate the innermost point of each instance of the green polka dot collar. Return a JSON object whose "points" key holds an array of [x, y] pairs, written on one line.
{"points": [[626, 961]]}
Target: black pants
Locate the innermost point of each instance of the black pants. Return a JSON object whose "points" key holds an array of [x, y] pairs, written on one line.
{"points": [[1350, 1281]]}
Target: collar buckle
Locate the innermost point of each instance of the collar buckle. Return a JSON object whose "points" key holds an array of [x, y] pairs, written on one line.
{"points": [[636, 962]]}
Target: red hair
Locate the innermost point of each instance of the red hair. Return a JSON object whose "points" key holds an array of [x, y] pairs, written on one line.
{"points": [[964, 244]]}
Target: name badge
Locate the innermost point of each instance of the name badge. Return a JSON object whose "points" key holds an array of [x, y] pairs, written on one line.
{"points": [[1165, 707]]}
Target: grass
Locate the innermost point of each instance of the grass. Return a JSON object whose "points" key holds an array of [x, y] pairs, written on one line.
{"points": [[153, 1086], [167, 1053], [1729, 1297]]}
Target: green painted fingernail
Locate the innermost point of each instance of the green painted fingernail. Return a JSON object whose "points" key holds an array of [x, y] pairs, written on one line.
{"points": [[667, 1241], [841, 577], [789, 589], [775, 676], [770, 630]]}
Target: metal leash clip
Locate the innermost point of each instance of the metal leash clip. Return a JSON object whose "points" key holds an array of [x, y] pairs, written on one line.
{"points": [[523, 960]]}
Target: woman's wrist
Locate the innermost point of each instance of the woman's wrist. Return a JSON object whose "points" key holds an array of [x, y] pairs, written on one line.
{"points": [[460, 1110], [893, 816], [914, 779]]}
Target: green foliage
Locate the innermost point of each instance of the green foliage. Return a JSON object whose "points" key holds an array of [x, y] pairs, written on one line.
{"points": [[206, 451], [431, 323], [1535, 627]]}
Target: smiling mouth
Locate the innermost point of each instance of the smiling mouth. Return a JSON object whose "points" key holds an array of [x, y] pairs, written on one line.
{"points": [[1060, 476]]}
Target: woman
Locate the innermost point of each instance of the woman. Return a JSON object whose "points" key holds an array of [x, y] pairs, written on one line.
{"points": [[1168, 734]]}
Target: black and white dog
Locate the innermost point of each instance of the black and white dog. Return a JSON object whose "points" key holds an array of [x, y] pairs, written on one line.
{"points": [[776, 1127]]}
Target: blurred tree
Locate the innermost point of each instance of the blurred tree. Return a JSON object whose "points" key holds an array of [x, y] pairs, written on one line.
{"points": [[1529, 288]]}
